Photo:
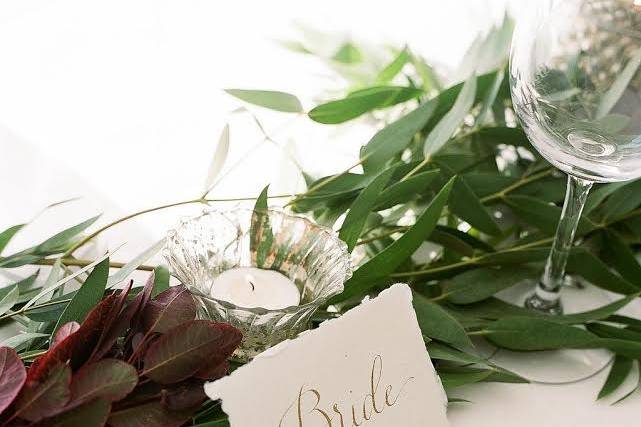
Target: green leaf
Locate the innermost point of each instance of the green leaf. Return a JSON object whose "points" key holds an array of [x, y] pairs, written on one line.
{"points": [[388, 73], [386, 261], [622, 201], [616, 253], [436, 323], [479, 284], [598, 273], [8, 234], [599, 194], [261, 236], [8, 298], [361, 102], [453, 379], [615, 91], [503, 135], [89, 295], [274, 100], [458, 241], [621, 368], [402, 191], [218, 161], [161, 280], [542, 215], [602, 312], [58, 242], [19, 340], [444, 352], [452, 121], [535, 333], [426, 72], [395, 137], [348, 53], [467, 206], [490, 97], [362, 206]]}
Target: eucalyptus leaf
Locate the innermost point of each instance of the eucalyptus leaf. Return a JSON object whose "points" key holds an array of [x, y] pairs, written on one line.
{"points": [[361, 102], [261, 234], [620, 369], [479, 284], [598, 273], [438, 324], [542, 215], [405, 190], [58, 241], [535, 333], [161, 280], [8, 299], [274, 100], [444, 130], [8, 234], [619, 256], [88, 296], [467, 206], [392, 69], [360, 209], [17, 341]]}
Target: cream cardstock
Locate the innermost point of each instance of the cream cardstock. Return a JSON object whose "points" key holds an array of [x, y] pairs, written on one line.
{"points": [[368, 368]]}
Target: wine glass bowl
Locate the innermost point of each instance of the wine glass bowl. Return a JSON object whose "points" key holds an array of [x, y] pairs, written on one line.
{"points": [[575, 74]]}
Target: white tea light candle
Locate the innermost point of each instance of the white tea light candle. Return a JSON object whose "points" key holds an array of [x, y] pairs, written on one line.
{"points": [[252, 287]]}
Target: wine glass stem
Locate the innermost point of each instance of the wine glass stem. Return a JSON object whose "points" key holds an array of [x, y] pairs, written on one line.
{"points": [[550, 284]]}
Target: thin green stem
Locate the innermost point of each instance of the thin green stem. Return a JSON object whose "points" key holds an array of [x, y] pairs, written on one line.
{"points": [[89, 237], [75, 262], [515, 186]]}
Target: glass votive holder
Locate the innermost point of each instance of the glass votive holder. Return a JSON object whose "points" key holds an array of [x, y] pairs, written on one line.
{"points": [[200, 249]]}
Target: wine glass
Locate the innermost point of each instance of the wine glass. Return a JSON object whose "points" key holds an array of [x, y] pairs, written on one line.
{"points": [[576, 87]]}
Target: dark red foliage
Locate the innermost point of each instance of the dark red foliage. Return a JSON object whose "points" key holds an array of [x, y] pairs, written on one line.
{"points": [[119, 391], [77, 347]]}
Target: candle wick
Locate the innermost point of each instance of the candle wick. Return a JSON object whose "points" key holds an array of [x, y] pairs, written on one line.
{"points": [[252, 284]]}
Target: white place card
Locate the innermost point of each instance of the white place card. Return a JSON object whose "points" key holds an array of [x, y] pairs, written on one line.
{"points": [[368, 368]]}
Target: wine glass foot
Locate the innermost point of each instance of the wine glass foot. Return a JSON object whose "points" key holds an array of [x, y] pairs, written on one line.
{"points": [[559, 366]]}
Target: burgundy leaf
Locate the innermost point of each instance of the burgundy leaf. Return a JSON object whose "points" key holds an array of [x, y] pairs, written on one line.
{"points": [[64, 331], [39, 400], [187, 395], [213, 372], [169, 309], [188, 348], [77, 347], [151, 414], [141, 301], [12, 376], [136, 341], [116, 323], [90, 414], [108, 379]]}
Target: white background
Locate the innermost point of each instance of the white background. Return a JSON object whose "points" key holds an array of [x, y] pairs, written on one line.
{"points": [[120, 102]]}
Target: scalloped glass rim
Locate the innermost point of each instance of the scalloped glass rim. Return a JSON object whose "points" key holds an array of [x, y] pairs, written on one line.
{"points": [[234, 212]]}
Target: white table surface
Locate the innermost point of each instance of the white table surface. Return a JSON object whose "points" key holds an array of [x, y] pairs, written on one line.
{"points": [[120, 102]]}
